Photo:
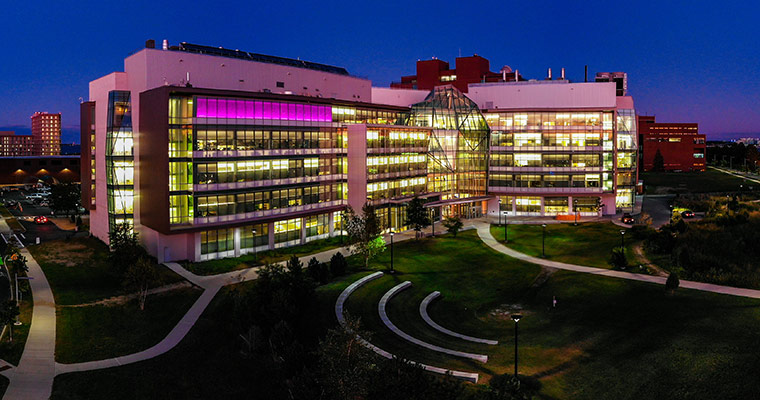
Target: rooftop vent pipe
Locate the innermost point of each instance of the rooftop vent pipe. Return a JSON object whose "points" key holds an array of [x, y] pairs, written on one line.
{"points": [[165, 45], [549, 74]]}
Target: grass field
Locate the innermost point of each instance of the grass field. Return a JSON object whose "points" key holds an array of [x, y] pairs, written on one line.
{"points": [[608, 338], [213, 267], [103, 331], [79, 272], [690, 182], [588, 244]]}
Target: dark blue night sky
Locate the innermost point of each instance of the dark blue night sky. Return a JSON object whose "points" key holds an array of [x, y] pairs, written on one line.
{"points": [[687, 61]]}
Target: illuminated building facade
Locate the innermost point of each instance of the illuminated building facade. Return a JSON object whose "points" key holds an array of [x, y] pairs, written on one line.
{"points": [[210, 153], [12, 145], [680, 145], [46, 133]]}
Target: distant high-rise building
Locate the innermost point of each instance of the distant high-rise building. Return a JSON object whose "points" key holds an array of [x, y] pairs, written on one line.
{"points": [[46, 132], [12, 145]]}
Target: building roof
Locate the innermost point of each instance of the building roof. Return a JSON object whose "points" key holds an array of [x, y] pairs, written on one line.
{"points": [[244, 55]]}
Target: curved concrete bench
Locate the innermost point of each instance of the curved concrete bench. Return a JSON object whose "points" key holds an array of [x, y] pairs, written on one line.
{"points": [[384, 316], [429, 321], [468, 376]]}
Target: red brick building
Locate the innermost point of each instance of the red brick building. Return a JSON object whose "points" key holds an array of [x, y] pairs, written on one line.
{"points": [[435, 72], [681, 145], [12, 145]]}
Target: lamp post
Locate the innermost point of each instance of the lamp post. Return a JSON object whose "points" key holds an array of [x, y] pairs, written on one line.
{"points": [[432, 220], [575, 211], [506, 228], [516, 318], [499, 211], [392, 233], [253, 242], [543, 240], [622, 239]]}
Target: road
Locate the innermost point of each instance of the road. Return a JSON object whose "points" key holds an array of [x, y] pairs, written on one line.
{"points": [[658, 207], [46, 232]]}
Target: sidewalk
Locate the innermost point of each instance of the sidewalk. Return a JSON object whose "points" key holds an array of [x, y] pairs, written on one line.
{"points": [[484, 232], [33, 378]]}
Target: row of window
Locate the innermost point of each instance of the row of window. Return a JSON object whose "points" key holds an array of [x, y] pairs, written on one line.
{"points": [[230, 204], [545, 181], [551, 204], [545, 160], [396, 139], [228, 138], [250, 171], [549, 119], [566, 139], [396, 188]]}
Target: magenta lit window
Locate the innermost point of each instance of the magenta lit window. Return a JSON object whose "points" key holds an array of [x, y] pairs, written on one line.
{"points": [[250, 109]]}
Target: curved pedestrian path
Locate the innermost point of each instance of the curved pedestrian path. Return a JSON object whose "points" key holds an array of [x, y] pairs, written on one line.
{"points": [[381, 308], [339, 305], [484, 232], [425, 316]]}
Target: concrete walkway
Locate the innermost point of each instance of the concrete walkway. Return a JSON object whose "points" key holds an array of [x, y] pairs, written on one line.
{"points": [[339, 305], [426, 317], [484, 232], [33, 378], [381, 309]]}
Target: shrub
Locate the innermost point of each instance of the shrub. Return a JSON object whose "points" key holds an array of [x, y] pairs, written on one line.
{"points": [[618, 260], [295, 266], [672, 283], [317, 271], [338, 264], [453, 225], [642, 232]]}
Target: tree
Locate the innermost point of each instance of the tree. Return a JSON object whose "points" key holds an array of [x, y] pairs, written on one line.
{"points": [[15, 262], [618, 259], [345, 366], [672, 283], [317, 271], [295, 266], [417, 216], [338, 264], [658, 164], [139, 277], [8, 313], [125, 248], [65, 198], [453, 224], [364, 233]]}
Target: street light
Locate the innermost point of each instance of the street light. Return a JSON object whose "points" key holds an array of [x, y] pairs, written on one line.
{"points": [[543, 240], [253, 240], [575, 211], [499, 211], [516, 318], [506, 228], [392, 233], [622, 239]]}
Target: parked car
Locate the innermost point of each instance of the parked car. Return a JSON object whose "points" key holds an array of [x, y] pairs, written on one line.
{"points": [[627, 219], [687, 214], [11, 203], [44, 203], [40, 220]]}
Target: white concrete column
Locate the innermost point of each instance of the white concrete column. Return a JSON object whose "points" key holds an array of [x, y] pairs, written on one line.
{"points": [[303, 230], [271, 235], [331, 223], [543, 200], [570, 209], [197, 239], [236, 241]]}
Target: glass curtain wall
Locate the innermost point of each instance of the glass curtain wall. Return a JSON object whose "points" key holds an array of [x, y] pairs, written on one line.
{"points": [[119, 160], [458, 149], [625, 160]]}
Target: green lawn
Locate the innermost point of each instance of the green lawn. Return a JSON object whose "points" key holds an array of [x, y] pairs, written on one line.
{"points": [[213, 267], [103, 331], [588, 244], [79, 272], [608, 338], [690, 182], [11, 351]]}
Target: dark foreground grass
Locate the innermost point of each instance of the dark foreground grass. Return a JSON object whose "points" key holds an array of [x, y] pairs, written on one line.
{"points": [[205, 365], [11, 351], [11, 220], [608, 338], [103, 331], [690, 182], [79, 272], [213, 267], [588, 244]]}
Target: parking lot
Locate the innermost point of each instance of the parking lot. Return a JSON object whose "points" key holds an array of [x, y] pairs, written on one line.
{"points": [[26, 214]]}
